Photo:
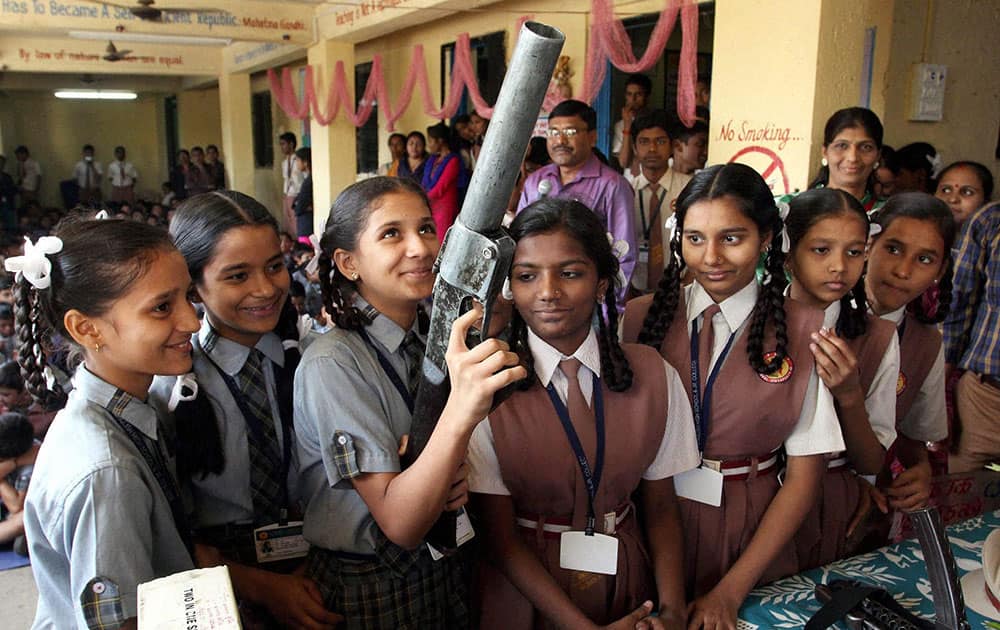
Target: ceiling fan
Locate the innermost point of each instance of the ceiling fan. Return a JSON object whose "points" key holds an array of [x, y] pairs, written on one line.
{"points": [[144, 9], [113, 54]]}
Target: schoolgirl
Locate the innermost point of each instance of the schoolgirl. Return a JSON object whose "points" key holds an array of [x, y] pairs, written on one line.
{"points": [[104, 513], [852, 143], [235, 442], [742, 350], [620, 408], [908, 258], [857, 358], [366, 518]]}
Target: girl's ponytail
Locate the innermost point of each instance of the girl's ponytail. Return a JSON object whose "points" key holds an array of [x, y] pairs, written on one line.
{"points": [[31, 342], [666, 298]]}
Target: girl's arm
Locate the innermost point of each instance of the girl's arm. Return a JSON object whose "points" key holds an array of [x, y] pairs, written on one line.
{"points": [[784, 515], [406, 504], [662, 521], [837, 367], [525, 572]]}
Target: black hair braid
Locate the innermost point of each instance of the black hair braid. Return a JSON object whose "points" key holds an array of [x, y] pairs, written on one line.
{"points": [[853, 320], [198, 441], [615, 368], [344, 314], [30, 351], [665, 299], [770, 304], [519, 344]]}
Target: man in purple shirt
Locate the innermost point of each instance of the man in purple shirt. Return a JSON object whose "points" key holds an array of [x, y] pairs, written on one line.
{"points": [[576, 173]]}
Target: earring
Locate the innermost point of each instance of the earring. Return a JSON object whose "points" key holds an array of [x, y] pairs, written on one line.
{"points": [[824, 162], [354, 276], [600, 299], [876, 165], [97, 347]]}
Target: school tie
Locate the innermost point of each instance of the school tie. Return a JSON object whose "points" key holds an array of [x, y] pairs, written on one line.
{"points": [[706, 343], [413, 350], [580, 413], [656, 220], [265, 459]]}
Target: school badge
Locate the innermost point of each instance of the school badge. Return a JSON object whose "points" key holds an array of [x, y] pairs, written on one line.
{"points": [[780, 375], [900, 384]]}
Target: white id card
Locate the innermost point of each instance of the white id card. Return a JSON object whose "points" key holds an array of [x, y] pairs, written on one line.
{"points": [[463, 533], [280, 542], [701, 484], [595, 554]]}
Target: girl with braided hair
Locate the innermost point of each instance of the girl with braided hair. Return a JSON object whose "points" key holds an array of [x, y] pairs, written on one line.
{"points": [[630, 415], [235, 441], [742, 350], [909, 258], [104, 513], [857, 358], [366, 517]]}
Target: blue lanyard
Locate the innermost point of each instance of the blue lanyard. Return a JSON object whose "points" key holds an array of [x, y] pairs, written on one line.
{"points": [[163, 478], [701, 406], [591, 477], [390, 372], [654, 213]]}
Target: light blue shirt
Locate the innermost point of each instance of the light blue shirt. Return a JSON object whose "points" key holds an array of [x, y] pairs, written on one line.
{"points": [[341, 391], [226, 498], [95, 509]]}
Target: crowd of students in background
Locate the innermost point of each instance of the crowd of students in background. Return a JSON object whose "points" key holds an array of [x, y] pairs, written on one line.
{"points": [[239, 376]]}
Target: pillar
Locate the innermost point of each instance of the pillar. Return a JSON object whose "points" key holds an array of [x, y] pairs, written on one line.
{"points": [[780, 68], [334, 152], [237, 131]]}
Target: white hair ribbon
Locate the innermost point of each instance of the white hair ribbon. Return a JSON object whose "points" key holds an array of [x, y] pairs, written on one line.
{"points": [[783, 210], [671, 226], [874, 229], [102, 215], [185, 390], [35, 265], [619, 249], [313, 264], [936, 164], [505, 291]]}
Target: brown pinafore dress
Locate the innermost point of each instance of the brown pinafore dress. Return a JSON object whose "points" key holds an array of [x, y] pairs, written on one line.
{"points": [[751, 417], [546, 486], [919, 345], [823, 535]]}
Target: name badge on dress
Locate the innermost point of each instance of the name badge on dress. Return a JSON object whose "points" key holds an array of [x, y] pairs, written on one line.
{"points": [[597, 553], [463, 533], [701, 484], [280, 542]]}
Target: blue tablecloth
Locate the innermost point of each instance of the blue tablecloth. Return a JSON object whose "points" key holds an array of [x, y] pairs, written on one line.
{"points": [[899, 569]]}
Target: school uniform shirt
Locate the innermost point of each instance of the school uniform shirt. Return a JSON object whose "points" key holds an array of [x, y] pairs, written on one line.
{"points": [[291, 177], [927, 419], [226, 498], [122, 174], [80, 174], [880, 399], [97, 521], [678, 449], [349, 420], [671, 184], [818, 429], [29, 173]]}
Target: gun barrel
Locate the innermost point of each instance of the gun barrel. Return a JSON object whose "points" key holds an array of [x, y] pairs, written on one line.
{"points": [[514, 116]]}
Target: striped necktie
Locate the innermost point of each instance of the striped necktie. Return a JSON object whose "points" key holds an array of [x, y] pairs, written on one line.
{"points": [[265, 458]]}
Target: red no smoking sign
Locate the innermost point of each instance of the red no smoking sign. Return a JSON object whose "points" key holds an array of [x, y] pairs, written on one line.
{"points": [[768, 164]]}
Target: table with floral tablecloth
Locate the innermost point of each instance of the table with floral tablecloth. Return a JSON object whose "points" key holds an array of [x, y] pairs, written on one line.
{"points": [[899, 569]]}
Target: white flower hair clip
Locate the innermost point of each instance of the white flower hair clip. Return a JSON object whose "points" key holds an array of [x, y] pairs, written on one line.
{"points": [[874, 229], [671, 227], [936, 164], [620, 249], [102, 215], [35, 265], [185, 390], [783, 210]]}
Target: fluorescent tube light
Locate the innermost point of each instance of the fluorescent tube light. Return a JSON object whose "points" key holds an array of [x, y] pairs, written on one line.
{"points": [[106, 95], [148, 38]]}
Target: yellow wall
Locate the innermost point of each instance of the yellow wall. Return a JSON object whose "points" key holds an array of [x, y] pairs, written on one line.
{"points": [[963, 37], [55, 130], [199, 120], [268, 181]]}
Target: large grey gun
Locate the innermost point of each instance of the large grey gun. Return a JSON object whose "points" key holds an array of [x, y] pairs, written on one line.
{"points": [[476, 255]]}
